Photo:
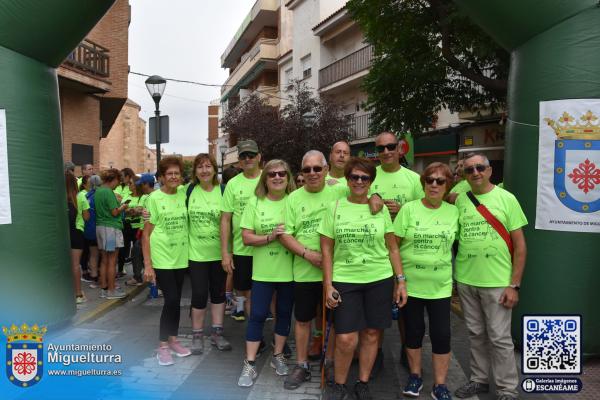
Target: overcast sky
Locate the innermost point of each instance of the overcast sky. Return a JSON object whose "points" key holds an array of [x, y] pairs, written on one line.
{"points": [[182, 39]]}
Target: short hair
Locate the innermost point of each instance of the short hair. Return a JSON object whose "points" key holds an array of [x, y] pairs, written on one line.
{"points": [[486, 161], [311, 153], [110, 175], [200, 158], [229, 173], [170, 161], [362, 164], [128, 172], [261, 187], [444, 169], [387, 133], [95, 182], [340, 141]]}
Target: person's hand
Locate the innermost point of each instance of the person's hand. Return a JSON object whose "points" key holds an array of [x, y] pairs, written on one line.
{"points": [[393, 206], [375, 204], [400, 295], [331, 182], [119, 197], [332, 297], [313, 257], [149, 275], [277, 231], [227, 263], [146, 215], [138, 210], [509, 298]]}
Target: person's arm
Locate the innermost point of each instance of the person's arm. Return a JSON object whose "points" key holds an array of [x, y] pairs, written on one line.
{"points": [[226, 257], [327, 251], [400, 295], [293, 245], [451, 198], [510, 296], [85, 214], [118, 210], [149, 274], [250, 238], [376, 203]]}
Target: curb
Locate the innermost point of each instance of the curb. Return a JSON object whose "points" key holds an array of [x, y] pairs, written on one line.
{"points": [[108, 305]]}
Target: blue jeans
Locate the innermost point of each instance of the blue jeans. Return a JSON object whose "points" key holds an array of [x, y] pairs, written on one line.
{"points": [[262, 293]]}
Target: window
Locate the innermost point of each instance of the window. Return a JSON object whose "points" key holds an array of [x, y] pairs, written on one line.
{"points": [[306, 70], [287, 78], [82, 154]]}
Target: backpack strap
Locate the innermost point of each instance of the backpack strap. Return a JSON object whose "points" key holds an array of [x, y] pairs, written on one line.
{"points": [[493, 221], [188, 193]]}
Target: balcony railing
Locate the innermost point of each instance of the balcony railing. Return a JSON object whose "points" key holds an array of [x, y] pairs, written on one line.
{"points": [[358, 127], [347, 66], [90, 57]]}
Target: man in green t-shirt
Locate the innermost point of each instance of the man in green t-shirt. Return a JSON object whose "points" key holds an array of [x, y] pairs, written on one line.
{"points": [[238, 192], [489, 279], [339, 156]]}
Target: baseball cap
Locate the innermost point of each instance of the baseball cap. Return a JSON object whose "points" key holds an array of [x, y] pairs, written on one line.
{"points": [[247, 146], [145, 178]]}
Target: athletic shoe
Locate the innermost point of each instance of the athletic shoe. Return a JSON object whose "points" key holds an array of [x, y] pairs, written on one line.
{"points": [[248, 375], [315, 348], [377, 365], [414, 386], [133, 282], [229, 306], [269, 316], [338, 392], [238, 316], [164, 356], [217, 340], [278, 362], [86, 277], [178, 349], [441, 392], [115, 294], [94, 284], [80, 299], [103, 293], [261, 348], [287, 351], [470, 389], [298, 376], [197, 344], [361, 391]]}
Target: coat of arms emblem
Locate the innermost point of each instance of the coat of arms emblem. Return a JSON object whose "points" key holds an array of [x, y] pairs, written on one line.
{"points": [[24, 354]]}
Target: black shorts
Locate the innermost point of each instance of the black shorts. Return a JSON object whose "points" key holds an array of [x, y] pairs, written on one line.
{"points": [[77, 240], [307, 299], [242, 274], [90, 243], [364, 305]]}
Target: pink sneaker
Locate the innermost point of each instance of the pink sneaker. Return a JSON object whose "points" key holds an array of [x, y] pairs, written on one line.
{"points": [[163, 354], [178, 349]]}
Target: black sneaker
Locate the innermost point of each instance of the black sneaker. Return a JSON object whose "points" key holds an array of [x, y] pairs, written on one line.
{"points": [[361, 391], [298, 376], [86, 277], [337, 392], [413, 386], [261, 348], [470, 389], [377, 365]]}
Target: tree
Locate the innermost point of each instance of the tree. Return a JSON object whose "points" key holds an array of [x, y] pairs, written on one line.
{"points": [[427, 56], [305, 123], [187, 169]]}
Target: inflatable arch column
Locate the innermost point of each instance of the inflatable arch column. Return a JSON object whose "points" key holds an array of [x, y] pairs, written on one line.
{"points": [[554, 46], [35, 273]]}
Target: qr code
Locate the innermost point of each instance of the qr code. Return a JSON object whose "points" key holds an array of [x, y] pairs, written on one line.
{"points": [[551, 344]]}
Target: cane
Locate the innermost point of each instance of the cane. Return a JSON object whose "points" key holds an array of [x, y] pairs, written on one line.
{"points": [[326, 336]]}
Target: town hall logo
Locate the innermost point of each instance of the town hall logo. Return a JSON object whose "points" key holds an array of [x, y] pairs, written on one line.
{"points": [[577, 161], [24, 354]]}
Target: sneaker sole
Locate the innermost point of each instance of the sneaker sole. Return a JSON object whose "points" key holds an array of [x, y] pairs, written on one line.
{"points": [[115, 297], [239, 319], [222, 348], [163, 363], [413, 394], [181, 355]]}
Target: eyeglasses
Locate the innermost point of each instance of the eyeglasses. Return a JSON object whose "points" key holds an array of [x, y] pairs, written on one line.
{"points": [[471, 169], [356, 178], [273, 174], [430, 179], [308, 170], [390, 147], [247, 156]]}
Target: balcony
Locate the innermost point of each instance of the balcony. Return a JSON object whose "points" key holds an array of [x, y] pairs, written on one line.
{"points": [[263, 13], [90, 58], [263, 55], [358, 127], [352, 66]]}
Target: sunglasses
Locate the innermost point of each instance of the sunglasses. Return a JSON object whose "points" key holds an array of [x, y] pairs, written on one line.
{"points": [[356, 178], [471, 169], [247, 156], [308, 170], [430, 179], [390, 147], [273, 174]]}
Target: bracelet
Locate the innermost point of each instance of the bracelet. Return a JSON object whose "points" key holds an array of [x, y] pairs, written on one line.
{"points": [[268, 239], [304, 252]]}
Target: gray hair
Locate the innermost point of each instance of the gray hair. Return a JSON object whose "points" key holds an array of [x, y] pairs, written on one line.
{"points": [[486, 161], [95, 182], [311, 153]]}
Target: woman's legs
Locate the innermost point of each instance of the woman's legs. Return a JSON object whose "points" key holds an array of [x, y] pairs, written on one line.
{"points": [[439, 331], [199, 273], [283, 312], [262, 293], [345, 344], [368, 350], [93, 261], [414, 322], [111, 266], [170, 282], [103, 282], [76, 270]]}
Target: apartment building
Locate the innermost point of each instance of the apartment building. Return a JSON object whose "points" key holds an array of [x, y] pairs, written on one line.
{"points": [[93, 86]]}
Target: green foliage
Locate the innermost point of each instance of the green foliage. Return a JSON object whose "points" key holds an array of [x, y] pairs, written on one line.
{"points": [[187, 168], [427, 56]]}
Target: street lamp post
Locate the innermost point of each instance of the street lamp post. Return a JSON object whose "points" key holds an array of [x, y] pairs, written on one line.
{"points": [[222, 149], [156, 87]]}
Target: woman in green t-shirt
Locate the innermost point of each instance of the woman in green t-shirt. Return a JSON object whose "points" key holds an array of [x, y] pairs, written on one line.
{"points": [[262, 224], [360, 255], [165, 248], [78, 213], [426, 230]]}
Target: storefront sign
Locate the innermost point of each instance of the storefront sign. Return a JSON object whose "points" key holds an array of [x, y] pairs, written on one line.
{"points": [[568, 193], [5, 212]]}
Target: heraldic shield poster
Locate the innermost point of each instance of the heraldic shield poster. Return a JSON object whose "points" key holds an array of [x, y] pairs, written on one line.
{"points": [[568, 192]]}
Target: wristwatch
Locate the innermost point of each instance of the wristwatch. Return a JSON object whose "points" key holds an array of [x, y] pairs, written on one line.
{"points": [[400, 278], [516, 287]]}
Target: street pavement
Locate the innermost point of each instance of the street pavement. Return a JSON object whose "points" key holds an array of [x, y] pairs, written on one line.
{"points": [[131, 327]]}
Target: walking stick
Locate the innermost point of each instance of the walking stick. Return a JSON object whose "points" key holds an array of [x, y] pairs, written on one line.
{"points": [[326, 336]]}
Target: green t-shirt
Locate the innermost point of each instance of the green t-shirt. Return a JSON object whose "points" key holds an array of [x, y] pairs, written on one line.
{"points": [[239, 192], [426, 249], [401, 186], [340, 181], [271, 262], [461, 187], [105, 201], [141, 202], [483, 258], [169, 239], [360, 254], [123, 191], [204, 212], [82, 205], [79, 180], [304, 212]]}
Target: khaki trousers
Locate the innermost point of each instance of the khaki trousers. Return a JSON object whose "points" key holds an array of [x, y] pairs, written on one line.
{"points": [[488, 323]]}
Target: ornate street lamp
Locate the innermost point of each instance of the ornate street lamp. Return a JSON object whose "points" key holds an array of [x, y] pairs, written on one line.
{"points": [[222, 149], [156, 87]]}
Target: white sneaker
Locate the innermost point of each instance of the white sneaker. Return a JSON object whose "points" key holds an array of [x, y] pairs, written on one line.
{"points": [[248, 375], [115, 294]]}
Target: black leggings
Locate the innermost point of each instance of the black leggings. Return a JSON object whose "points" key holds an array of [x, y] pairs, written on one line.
{"points": [[207, 276], [170, 281], [129, 234], [439, 323]]}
